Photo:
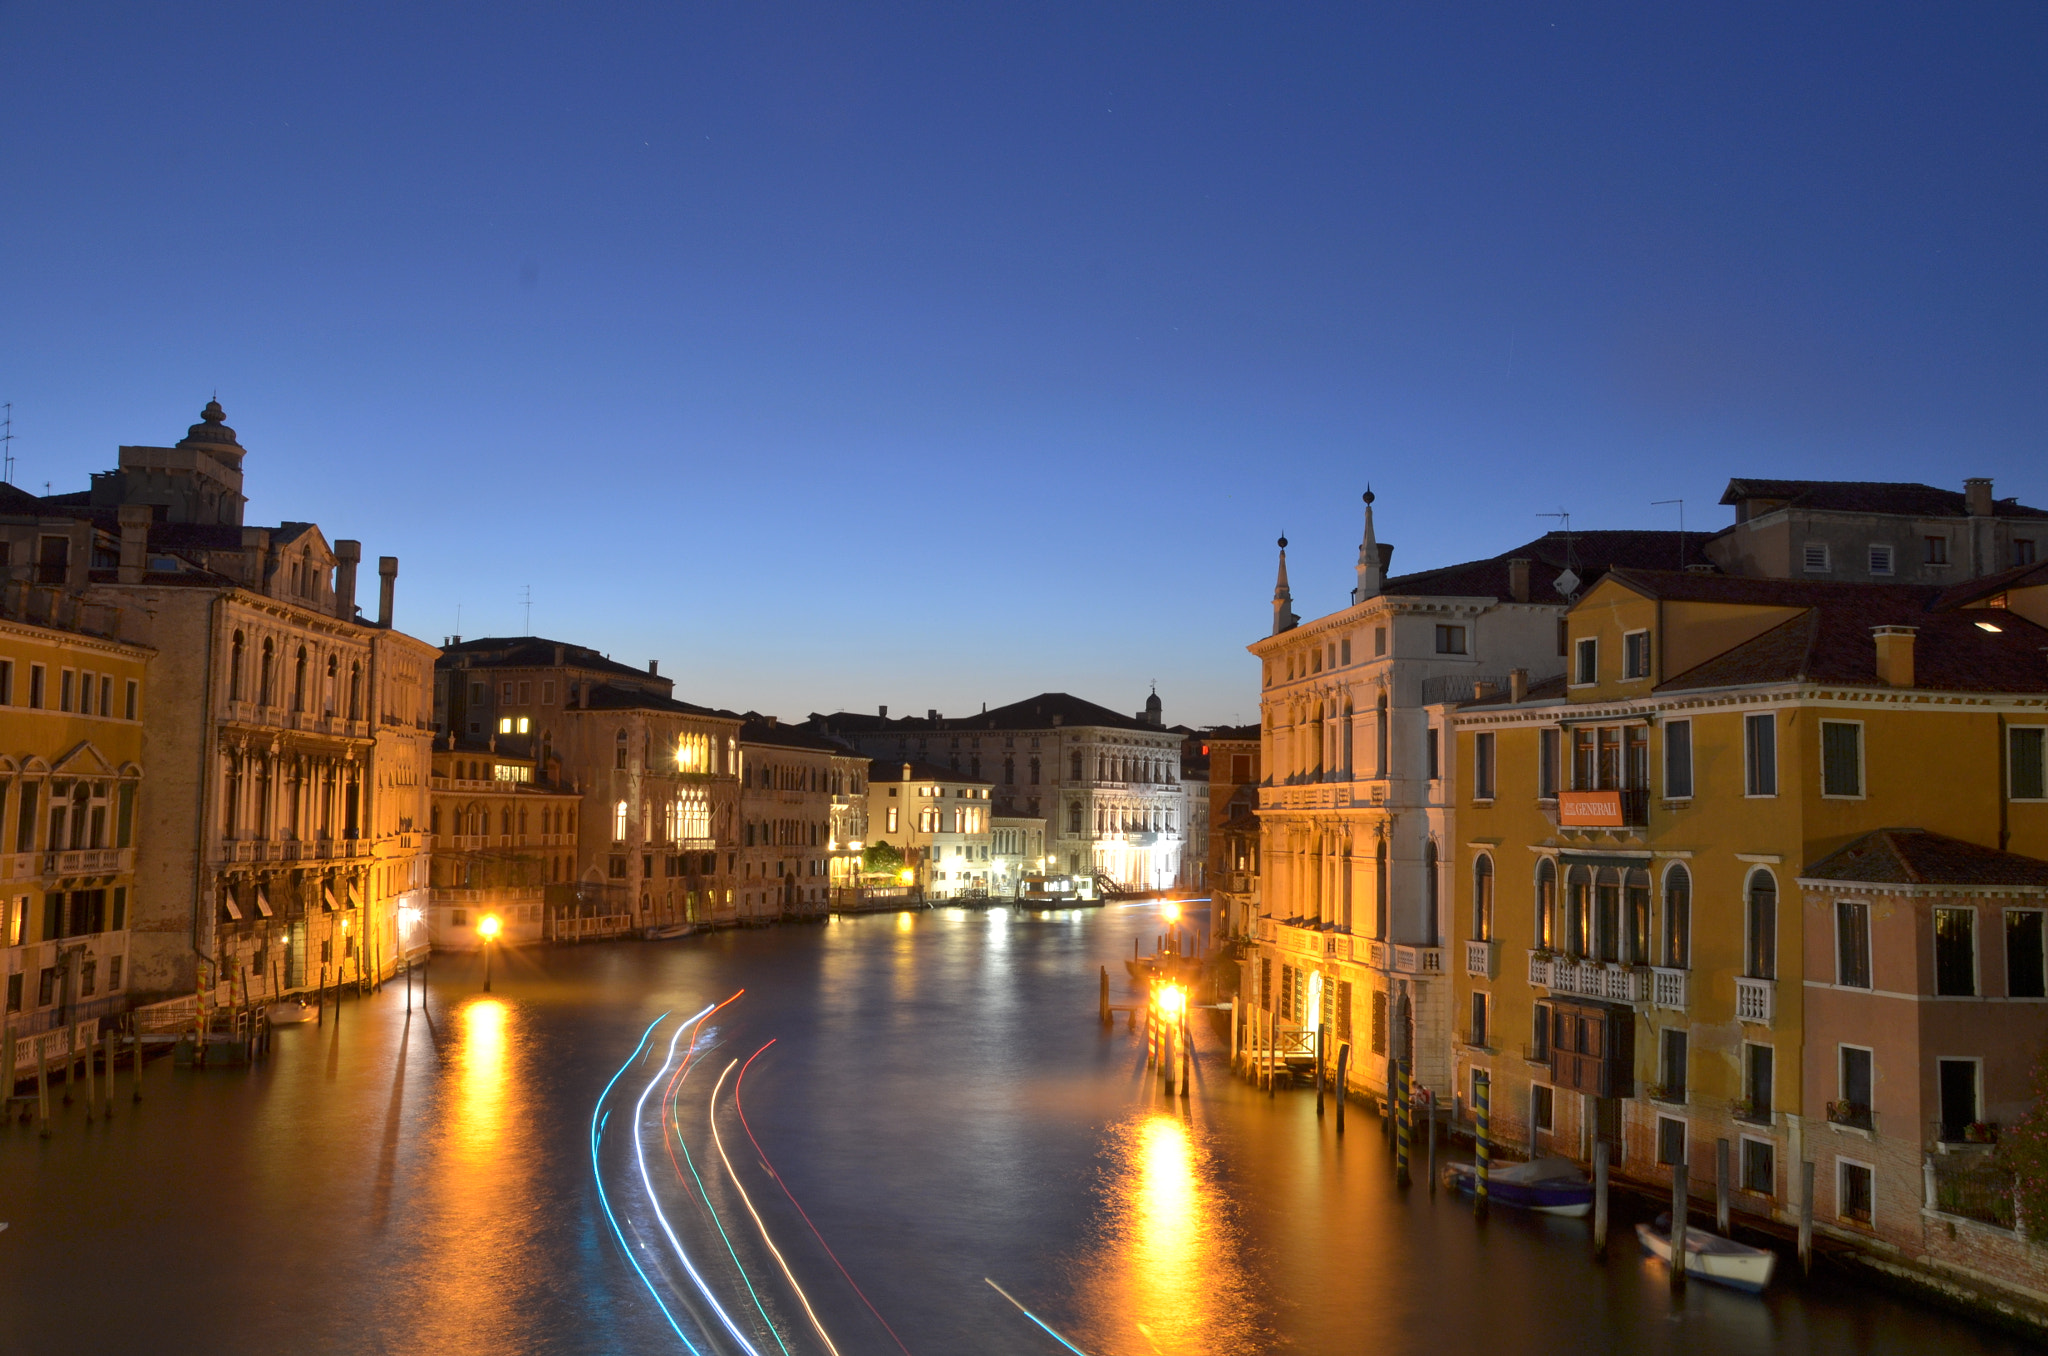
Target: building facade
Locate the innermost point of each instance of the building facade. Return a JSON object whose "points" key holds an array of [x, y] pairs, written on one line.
{"points": [[939, 820], [504, 845], [1878, 533], [1634, 913], [802, 811]]}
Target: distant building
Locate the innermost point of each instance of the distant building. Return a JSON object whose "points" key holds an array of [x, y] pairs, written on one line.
{"points": [[802, 800], [1017, 846], [1232, 827], [1874, 532], [1107, 786], [503, 839], [658, 839], [939, 820]]}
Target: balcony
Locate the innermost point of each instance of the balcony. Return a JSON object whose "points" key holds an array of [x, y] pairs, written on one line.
{"points": [[88, 862], [1668, 988], [1751, 1111], [1600, 809], [1419, 960], [1592, 979], [1480, 959], [1855, 1115], [1540, 964], [1756, 1000], [1376, 955]]}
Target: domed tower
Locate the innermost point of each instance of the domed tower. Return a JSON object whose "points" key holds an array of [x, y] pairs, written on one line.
{"points": [[198, 481], [1154, 713]]}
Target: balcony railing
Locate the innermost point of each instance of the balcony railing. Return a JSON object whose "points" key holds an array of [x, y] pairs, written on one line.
{"points": [[1540, 965], [1982, 1192], [1419, 960], [1668, 988], [1749, 1110], [1857, 1115], [1479, 959], [88, 862], [1376, 955], [1756, 1000], [1592, 979]]}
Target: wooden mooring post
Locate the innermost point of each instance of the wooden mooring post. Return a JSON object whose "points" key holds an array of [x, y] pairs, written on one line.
{"points": [[1806, 1217], [1681, 1203], [1482, 1140], [1721, 1186], [92, 1087], [1343, 1081], [42, 1089], [1600, 1152], [1104, 998], [1404, 1121]]}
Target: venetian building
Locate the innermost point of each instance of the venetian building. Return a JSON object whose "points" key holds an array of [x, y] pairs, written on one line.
{"points": [[1354, 832], [802, 809]]}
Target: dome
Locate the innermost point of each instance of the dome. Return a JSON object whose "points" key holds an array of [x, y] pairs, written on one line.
{"points": [[210, 431]]}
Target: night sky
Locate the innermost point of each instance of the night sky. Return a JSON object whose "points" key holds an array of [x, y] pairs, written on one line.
{"points": [[942, 354]]}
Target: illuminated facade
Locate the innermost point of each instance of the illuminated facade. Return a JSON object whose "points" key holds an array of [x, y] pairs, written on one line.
{"points": [[504, 845], [287, 827], [1352, 826], [940, 821], [1107, 786], [659, 835], [71, 764], [802, 815]]}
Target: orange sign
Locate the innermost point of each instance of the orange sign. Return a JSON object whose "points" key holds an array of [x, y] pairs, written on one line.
{"points": [[1594, 809]]}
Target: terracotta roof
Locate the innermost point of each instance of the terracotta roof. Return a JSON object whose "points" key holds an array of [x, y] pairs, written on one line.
{"points": [[1033, 713], [1922, 857], [606, 697], [757, 730], [1990, 585], [891, 770], [1906, 498], [1590, 555], [533, 652]]}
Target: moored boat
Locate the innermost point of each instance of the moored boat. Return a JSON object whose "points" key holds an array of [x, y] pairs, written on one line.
{"points": [[1710, 1256], [289, 1012], [1549, 1186]]}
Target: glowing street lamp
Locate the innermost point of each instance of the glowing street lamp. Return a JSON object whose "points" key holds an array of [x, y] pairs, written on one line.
{"points": [[487, 928]]}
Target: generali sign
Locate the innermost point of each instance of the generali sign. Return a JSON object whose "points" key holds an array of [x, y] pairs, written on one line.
{"points": [[1590, 809]]}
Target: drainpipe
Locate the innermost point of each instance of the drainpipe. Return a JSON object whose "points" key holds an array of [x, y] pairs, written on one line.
{"points": [[2004, 789], [206, 796]]}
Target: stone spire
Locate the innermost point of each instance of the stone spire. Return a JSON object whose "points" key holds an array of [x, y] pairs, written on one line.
{"points": [[1283, 600], [1370, 576]]}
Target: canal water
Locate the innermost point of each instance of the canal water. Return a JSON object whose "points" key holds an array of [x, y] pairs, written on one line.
{"points": [[891, 1112]]}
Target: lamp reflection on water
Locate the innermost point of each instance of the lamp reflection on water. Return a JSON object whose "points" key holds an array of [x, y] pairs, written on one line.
{"points": [[1164, 1277]]}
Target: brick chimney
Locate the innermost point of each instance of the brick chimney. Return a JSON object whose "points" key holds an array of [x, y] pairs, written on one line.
{"points": [[347, 555], [1977, 496], [1518, 685], [654, 668], [885, 712], [135, 520], [1518, 579], [1894, 654], [387, 572]]}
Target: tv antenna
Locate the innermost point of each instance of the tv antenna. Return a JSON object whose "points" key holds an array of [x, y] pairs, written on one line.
{"points": [[7, 442], [526, 601], [1567, 583], [1659, 503]]}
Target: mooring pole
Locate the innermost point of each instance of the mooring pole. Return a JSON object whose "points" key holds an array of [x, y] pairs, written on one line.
{"points": [[1403, 1124], [1721, 1186], [1482, 1142], [1429, 1104], [1806, 1217], [1104, 998], [1681, 1200], [1343, 1081], [1319, 1071], [1600, 1151]]}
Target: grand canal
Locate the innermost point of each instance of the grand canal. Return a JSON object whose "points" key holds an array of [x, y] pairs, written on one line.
{"points": [[527, 1171]]}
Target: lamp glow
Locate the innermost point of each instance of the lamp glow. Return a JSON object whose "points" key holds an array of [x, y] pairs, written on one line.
{"points": [[487, 927]]}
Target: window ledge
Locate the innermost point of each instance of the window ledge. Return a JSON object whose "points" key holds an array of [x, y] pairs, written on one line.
{"points": [[1858, 1131]]}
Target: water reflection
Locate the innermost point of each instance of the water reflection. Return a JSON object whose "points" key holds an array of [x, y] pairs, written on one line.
{"points": [[1164, 1278]]}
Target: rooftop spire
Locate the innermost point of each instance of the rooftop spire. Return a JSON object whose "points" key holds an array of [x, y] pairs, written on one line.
{"points": [[1283, 599], [1371, 577]]}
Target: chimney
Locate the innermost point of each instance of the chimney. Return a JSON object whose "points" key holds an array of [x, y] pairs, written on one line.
{"points": [[931, 713], [1518, 579], [387, 572], [773, 721], [347, 555], [906, 772], [654, 668], [884, 711], [255, 547], [559, 656], [1518, 685], [1894, 654], [1977, 496], [134, 542]]}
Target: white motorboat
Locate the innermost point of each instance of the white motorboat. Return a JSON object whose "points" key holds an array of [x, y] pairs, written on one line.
{"points": [[1712, 1257], [289, 1012]]}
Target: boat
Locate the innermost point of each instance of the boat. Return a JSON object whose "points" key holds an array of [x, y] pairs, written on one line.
{"points": [[1711, 1257], [1549, 1186], [662, 932], [289, 1012]]}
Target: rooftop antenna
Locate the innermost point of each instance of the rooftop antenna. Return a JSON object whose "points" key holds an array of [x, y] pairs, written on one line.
{"points": [[1659, 503], [458, 619], [1567, 583], [526, 601], [7, 442]]}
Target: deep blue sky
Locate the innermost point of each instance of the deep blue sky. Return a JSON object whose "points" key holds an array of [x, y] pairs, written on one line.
{"points": [[935, 355]]}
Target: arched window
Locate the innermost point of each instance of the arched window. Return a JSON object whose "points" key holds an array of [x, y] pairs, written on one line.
{"points": [[235, 685], [1607, 920], [619, 754], [1578, 911], [1761, 952], [1432, 890], [505, 821], [299, 681], [1379, 736], [1635, 919], [1676, 949], [619, 822], [1074, 815], [1546, 905], [1482, 898], [263, 689]]}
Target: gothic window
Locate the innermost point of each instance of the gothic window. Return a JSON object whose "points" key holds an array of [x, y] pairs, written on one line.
{"points": [[235, 668], [263, 691], [355, 691], [299, 681]]}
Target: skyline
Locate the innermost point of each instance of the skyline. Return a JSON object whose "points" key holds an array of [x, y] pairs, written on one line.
{"points": [[914, 348]]}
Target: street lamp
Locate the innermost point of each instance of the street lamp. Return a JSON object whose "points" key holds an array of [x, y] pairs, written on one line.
{"points": [[487, 928]]}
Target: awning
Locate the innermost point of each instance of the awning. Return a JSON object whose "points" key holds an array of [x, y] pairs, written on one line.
{"points": [[327, 900], [227, 901], [263, 903]]}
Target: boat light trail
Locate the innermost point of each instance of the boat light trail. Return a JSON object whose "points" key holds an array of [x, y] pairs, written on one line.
{"points": [[719, 1141], [1036, 1319], [737, 1264], [738, 1086], [640, 1155], [597, 1125]]}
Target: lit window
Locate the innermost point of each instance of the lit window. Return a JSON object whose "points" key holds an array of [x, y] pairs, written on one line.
{"points": [[524, 725], [619, 822], [505, 725]]}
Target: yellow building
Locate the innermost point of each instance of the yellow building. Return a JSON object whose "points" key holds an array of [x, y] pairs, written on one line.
{"points": [[1631, 840], [71, 700], [504, 840]]}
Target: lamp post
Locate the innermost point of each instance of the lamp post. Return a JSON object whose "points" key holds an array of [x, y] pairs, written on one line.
{"points": [[487, 928]]}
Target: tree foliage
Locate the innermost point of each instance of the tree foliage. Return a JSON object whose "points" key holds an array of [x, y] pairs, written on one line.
{"points": [[2024, 1147], [880, 859]]}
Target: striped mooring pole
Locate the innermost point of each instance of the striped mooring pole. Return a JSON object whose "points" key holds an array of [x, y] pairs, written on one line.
{"points": [[1404, 1118], [1482, 1145]]}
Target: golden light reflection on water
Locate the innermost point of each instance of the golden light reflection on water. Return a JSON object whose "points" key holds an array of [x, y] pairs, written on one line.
{"points": [[479, 1121], [1164, 1278]]}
